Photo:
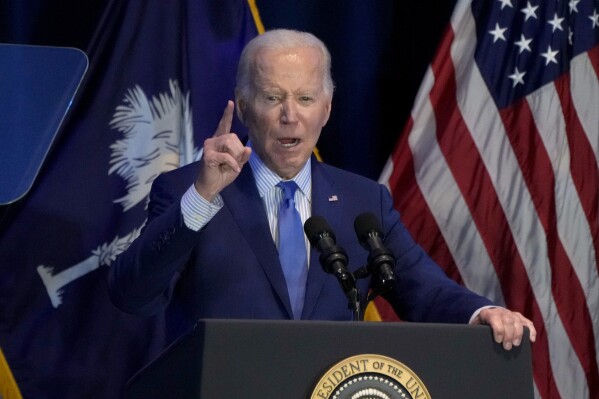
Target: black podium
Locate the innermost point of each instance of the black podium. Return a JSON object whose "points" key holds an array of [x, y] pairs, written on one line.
{"points": [[305, 359]]}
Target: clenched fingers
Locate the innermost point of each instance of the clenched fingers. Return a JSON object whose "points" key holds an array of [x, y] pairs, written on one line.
{"points": [[224, 156], [225, 151]]}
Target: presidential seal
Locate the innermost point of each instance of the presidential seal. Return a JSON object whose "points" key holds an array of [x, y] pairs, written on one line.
{"points": [[370, 377]]}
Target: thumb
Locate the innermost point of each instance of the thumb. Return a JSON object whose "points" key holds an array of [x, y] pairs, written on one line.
{"points": [[245, 156]]}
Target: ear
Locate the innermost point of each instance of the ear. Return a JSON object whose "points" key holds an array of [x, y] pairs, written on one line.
{"points": [[240, 106], [327, 112]]}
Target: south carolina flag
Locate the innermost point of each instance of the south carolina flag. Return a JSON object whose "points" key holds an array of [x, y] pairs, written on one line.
{"points": [[160, 74]]}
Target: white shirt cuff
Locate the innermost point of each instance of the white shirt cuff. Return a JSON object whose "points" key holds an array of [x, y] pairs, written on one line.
{"points": [[477, 312], [198, 211]]}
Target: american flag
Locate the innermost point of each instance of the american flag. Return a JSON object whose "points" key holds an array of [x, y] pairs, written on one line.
{"points": [[496, 173]]}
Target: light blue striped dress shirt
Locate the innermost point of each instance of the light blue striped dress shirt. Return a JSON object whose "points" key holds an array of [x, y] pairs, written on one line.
{"points": [[198, 211]]}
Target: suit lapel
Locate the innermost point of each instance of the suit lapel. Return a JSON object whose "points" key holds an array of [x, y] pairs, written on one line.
{"points": [[243, 200], [325, 202]]}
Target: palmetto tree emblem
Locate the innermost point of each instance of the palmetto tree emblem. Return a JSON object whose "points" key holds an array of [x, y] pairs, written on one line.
{"points": [[157, 137]]}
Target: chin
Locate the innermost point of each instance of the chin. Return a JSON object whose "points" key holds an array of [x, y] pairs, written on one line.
{"points": [[289, 171]]}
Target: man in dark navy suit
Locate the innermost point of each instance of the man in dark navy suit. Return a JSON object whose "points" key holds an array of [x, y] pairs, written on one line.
{"points": [[211, 244]]}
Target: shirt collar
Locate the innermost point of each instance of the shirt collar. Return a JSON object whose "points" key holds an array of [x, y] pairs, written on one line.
{"points": [[266, 179]]}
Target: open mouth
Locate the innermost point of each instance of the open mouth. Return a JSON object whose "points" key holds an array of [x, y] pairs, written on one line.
{"points": [[288, 143]]}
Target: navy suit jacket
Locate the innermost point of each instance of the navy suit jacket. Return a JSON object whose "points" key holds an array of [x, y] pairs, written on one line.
{"points": [[231, 269]]}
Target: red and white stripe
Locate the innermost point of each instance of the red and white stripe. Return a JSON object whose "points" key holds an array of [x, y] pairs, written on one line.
{"points": [[507, 201]]}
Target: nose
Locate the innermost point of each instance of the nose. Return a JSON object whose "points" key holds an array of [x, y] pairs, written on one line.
{"points": [[289, 111]]}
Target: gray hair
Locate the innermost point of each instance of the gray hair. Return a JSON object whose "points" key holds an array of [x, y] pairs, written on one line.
{"points": [[280, 39]]}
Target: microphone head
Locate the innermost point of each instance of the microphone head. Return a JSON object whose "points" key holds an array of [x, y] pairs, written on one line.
{"points": [[316, 227], [366, 225]]}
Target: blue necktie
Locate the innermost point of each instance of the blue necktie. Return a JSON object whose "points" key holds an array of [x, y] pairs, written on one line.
{"points": [[292, 248]]}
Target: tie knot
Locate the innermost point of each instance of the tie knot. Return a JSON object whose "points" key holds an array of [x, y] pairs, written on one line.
{"points": [[288, 188]]}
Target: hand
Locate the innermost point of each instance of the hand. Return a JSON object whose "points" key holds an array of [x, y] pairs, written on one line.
{"points": [[507, 326], [224, 156]]}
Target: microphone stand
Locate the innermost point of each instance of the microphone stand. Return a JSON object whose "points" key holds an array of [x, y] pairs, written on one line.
{"points": [[348, 283], [354, 304], [380, 288]]}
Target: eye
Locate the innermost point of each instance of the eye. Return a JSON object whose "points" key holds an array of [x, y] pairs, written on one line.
{"points": [[306, 99]]}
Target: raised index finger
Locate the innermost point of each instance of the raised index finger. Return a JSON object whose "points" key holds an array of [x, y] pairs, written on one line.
{"points": [[224, 126]]}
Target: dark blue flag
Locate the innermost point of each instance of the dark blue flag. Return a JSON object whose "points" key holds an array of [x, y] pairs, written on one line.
{"points": [[160, 75]]}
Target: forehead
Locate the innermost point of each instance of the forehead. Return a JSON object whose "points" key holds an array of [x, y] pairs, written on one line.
{"points": [[301, 65]]}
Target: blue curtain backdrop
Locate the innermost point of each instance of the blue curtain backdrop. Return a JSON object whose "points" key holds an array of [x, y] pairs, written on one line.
{"points": [[380, 51]]}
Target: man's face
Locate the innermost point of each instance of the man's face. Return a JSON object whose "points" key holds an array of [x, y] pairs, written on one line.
{"points": [[286, 108]]}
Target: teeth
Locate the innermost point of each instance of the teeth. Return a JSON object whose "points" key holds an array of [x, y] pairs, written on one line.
{"points": [[287, 144]]}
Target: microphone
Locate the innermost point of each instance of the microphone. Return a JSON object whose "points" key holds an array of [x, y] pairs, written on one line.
{"points": [[380, 260], [333, 258]]}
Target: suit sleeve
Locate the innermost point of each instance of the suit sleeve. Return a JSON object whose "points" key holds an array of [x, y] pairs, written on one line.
{"points": [[142, 278], [423, 292]]}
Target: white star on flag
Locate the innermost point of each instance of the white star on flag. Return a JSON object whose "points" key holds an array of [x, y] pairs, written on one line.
{"points": [[594, 18], [529, 11], [573, 5], [556, 23], [523, 44], [549, 56], [498, 33], [517, 77]]}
